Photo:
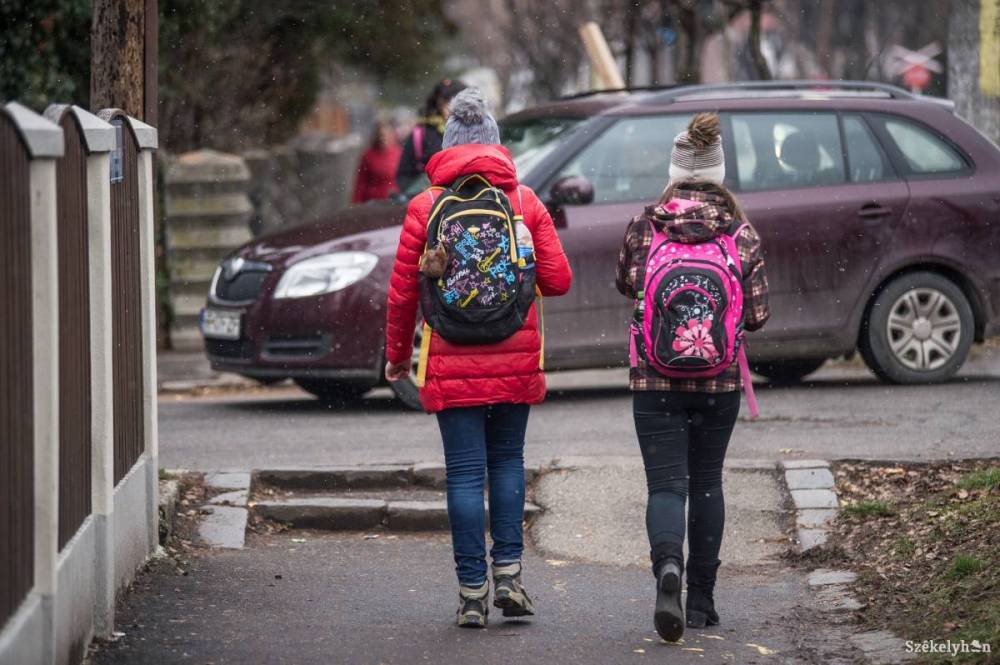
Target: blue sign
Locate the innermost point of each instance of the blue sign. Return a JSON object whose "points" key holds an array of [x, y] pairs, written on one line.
{"points": [[117, 165]]}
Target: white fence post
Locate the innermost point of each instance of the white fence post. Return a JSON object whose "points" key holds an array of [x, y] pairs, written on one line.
{"points": [[146, 137], [45, 142], [99, 139]]}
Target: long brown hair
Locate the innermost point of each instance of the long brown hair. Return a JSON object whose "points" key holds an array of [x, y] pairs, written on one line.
{"points": [[727, 196]]}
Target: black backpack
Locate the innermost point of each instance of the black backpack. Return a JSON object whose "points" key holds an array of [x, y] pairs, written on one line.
{"points": [[487, 284]]}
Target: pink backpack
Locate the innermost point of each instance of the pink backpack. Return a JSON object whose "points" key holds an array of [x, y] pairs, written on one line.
{"points": [[690, 317]]}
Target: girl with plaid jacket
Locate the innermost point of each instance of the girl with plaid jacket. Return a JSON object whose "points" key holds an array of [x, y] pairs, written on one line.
{"points": [[684, 426]]}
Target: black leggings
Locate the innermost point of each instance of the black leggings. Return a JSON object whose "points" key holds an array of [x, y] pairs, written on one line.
{"points": [[683, 437]]}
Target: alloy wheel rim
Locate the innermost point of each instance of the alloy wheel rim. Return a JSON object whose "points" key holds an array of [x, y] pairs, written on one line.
{"points": [[924, 329]]}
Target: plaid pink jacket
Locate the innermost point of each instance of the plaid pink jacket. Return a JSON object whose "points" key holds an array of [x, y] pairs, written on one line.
{"points": [[632, 271]]}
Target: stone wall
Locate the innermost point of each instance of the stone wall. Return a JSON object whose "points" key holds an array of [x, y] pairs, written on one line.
{"points": [[207, 215], [303, 182]]}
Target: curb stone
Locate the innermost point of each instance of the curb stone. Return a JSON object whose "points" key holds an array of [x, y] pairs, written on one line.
{"points": [[881, 647], [812, 487], [381, 476]]}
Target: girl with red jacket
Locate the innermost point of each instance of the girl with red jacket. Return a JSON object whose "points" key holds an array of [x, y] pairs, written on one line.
{"points": [[480, 394], [376, 177]]}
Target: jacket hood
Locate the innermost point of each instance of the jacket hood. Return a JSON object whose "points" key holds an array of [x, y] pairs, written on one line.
{"points": [[692, 216], [493, 162]]}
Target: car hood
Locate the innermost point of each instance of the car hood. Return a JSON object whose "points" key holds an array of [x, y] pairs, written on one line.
{"points": [[372, 227]]}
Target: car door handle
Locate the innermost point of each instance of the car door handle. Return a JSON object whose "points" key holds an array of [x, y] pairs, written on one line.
{"points": [[874, 210]]}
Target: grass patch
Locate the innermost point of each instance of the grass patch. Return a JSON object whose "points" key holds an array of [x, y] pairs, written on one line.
{"points": [[982, 479], [870, 508], [933, 570], [964, 565], [903, 547]]}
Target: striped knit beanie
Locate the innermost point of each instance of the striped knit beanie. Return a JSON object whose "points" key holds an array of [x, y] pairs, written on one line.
{"points": [[697, 154]]}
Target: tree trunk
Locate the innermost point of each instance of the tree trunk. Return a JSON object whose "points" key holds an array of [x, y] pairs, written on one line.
{"points": [[117, 67], [759, 63], [972, 66]]}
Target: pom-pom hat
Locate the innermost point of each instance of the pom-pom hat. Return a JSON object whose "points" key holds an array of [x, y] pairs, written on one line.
{"points": [[470, 121], [697, 155]]}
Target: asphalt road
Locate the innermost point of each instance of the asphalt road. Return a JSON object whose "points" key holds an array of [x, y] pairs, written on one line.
{"points": [[843, 412]]}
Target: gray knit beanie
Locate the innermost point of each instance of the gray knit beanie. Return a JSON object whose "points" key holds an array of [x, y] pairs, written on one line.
{"points": [[697, 155], [470, 121]]}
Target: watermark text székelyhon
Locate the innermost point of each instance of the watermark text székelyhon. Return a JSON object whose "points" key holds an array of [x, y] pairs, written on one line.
{"points": [[948, 647]]}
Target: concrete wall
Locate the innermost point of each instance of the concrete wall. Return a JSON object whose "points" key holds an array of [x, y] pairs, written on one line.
{"points": [[74, 604]]}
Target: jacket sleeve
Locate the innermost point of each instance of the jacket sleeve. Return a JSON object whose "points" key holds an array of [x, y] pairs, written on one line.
{"points": [[625, 275], [552, 271], [407, 170], [756, 305], [361, 180], [403, 299]]}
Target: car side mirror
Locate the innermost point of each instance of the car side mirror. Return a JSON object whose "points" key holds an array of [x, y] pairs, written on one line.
{"points": [[571, 190]]}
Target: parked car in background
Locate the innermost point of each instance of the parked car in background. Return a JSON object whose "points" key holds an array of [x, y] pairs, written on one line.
{"points": [[879, 211]]}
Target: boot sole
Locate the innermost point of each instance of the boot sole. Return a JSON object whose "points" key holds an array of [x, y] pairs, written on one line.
{"points": [[669, 618], [513, 604], [472, 621]]}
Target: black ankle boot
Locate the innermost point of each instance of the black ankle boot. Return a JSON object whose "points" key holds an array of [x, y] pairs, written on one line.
{"points": [[669, 617], [700, 605]]}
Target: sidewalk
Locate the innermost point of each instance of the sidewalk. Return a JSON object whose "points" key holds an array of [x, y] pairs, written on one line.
{"points": [[307, 597], [344, 599]]}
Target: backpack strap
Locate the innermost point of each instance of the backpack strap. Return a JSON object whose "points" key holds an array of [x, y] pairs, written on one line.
{"points": [[747, 381]]}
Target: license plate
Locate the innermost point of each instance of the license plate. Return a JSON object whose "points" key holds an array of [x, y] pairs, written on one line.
{"points": [[220, 323]]}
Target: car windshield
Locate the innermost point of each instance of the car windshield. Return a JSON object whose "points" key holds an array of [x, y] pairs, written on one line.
{"points": [[529, 142]]}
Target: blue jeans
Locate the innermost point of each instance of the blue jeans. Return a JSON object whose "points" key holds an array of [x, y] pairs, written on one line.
{"points": [[476, 440]]}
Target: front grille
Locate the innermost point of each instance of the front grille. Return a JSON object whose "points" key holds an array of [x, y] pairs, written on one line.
{"points": [[230, 349], [241, 288], [314, 346]]}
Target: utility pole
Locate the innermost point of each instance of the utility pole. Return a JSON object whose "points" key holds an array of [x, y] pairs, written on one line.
{"points": [[123, 61], [974, 63]]}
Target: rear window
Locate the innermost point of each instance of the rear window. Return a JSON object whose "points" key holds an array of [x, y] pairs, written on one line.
{"points": [[923, 152], [786, 150]]}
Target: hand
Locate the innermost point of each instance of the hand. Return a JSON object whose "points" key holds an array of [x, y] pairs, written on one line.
{"points": [[395, 372]]}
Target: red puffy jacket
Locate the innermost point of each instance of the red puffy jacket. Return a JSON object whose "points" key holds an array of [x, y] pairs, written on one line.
{"points": [[463, 375]]}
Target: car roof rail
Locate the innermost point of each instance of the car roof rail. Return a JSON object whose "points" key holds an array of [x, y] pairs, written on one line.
{"points": [[781, 88], [609, 91]]}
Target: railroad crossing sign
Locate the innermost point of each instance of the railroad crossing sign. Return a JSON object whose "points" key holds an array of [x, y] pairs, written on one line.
{"points": [[915, 67]]}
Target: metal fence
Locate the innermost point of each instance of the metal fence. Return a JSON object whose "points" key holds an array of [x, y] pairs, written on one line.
{"points": [[127, 310], [74, 342], [78, 450], [16, 424]]}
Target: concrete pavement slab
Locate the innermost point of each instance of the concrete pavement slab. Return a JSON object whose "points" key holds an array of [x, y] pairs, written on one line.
{"points": [[223, 526], [228, 480], [824, 577], [341, 598], [598, 514], [809, 479], [813, 499], [812, 518]]}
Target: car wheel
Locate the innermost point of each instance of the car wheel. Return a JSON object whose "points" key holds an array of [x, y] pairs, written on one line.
{"points": [[406, 389], [918, 330], [787, 372], [332, 393]]}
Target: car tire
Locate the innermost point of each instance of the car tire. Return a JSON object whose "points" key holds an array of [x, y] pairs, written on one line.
{"points": [[918, 329], [335, 394], [787, 372], [406, 390]]}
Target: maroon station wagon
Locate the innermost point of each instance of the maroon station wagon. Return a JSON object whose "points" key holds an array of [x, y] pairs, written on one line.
{"points": [[879, 211]]}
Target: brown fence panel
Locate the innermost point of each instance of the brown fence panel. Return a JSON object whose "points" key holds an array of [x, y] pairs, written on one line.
{"points": [[74, 336], [17, 448], [127, 306]]}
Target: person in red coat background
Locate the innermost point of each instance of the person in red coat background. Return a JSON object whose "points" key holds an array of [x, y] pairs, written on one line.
{"points": [[376, 177], [481, 394]]}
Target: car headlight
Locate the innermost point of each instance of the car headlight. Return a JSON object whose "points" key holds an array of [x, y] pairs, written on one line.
{"points": [[325, 274]]}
